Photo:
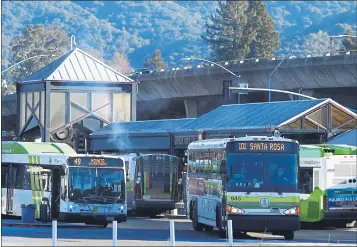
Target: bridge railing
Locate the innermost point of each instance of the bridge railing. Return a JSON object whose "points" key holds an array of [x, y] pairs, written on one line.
{"points": [[247, 60]]}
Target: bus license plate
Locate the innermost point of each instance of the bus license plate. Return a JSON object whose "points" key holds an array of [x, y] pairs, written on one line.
{"points": [[274, 210]]}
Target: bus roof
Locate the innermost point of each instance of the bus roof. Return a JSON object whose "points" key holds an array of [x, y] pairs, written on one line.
{"points": [[341, 149], [311, 151], [221, 143], [320, 150], [12, 147]]}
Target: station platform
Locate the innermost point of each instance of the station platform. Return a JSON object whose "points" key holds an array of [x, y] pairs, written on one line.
{"points": [[38, 224]]}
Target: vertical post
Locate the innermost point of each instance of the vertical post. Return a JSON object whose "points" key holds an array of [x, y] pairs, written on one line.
{"points": [[172, 233], [230, 233], [54, 232], [115, 232], [270, 76]]}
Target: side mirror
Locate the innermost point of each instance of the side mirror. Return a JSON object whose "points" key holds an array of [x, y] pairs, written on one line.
{"points": [[223, 168]]}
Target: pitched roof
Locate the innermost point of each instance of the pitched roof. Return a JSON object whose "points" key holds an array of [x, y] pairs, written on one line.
{"points": [[77, 65], [148, 126], [348, 137], [250, 116]]}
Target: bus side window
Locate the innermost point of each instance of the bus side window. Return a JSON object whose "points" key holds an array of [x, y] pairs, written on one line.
{"points": [[22, 178], [4, 171], [306, 180]]}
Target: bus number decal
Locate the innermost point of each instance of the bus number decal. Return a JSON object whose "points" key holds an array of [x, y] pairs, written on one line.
{"points": [[77, 161], [236, 198]]}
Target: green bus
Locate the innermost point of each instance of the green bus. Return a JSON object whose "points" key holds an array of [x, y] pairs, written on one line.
{"points": [[328, 184]]}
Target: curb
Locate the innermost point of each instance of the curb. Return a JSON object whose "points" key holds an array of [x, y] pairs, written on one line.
{"points": [[24, 225], [170, 216]]}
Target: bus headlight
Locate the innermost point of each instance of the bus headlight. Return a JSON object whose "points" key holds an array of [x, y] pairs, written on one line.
{"points": [[179, 181], [234, 210], [138, 180], [292, 211]]}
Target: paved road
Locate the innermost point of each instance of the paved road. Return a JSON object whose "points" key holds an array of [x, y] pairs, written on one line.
{"points": [[155, 232]]}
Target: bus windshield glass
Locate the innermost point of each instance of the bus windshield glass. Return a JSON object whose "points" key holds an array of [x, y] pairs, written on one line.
{"points": [[262, 172], [96, 184]]}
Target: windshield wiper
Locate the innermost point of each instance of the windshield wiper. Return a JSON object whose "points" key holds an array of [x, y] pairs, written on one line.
{"points": [[278, 191], [249, 191]]}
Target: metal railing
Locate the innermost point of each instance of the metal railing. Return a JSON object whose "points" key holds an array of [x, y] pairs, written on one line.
{"points": [[250, 60]]}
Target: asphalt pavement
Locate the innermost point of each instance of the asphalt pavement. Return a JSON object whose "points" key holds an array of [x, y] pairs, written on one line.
{"points": [[155, 232]]}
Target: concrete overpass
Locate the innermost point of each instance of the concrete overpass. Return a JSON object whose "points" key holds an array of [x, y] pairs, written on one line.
{"points": [[197, 90], [193, 91]]}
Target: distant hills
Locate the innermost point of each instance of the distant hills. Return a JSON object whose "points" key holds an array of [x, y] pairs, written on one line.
{"points": [[137, 28]]}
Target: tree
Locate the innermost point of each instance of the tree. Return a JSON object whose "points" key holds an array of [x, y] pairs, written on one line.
{"points": [[319, 43], [120, 63], [36, 40], [241, 29], [350, 43], [155, 61]]}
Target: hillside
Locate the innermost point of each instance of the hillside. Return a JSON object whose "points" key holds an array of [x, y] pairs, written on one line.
{"points": [[137, 28]]}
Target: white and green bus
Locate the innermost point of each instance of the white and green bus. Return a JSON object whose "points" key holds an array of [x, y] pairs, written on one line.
{"points": [[249, 180], [73, 187], [328, 185]]}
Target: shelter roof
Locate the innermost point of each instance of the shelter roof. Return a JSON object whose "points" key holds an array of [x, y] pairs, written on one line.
{"points": [[348, 137], [78, 65], [141, 127], [251, 116]]}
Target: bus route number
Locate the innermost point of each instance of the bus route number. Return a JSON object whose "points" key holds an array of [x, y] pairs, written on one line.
{"points": [[236, 198]]}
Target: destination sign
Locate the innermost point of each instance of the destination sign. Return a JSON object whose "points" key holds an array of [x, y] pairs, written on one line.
{"points": [[94, 161], [276, 147]]}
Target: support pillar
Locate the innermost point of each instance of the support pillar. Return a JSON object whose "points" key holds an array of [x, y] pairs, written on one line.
{"points": [[191, 108], [134, 93]]}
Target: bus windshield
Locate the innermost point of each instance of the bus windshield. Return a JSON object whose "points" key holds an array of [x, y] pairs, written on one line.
{"points": [[262, 172], [98, 184]]}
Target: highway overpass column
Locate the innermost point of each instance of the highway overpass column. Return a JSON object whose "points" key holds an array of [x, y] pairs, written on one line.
{"points": [[191, 108]]}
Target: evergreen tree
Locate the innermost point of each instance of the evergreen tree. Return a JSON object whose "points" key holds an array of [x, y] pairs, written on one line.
{"points": [[36, 40], [155, 61], [350, 43], [241, 29]]}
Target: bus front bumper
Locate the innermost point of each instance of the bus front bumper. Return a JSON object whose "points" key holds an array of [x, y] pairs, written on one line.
{"points": [[348, 215], [92, 218], [159, 205], [262, 223]]}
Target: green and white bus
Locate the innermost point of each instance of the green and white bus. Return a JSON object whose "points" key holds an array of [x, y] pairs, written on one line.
{"points": [[73, 187], [328, 185], [249, 180]]}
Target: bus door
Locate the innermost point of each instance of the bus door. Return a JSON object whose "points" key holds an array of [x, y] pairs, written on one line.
{"points": [[10, 177]]}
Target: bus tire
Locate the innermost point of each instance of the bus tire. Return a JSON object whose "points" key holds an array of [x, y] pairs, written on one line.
{"points": [[196, 225], [209, 228], [289, 235], [222, 233]]}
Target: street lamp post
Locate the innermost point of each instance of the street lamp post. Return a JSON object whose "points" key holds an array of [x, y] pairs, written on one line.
{"points": [[26, 60], [270, 77], [208, 61]]}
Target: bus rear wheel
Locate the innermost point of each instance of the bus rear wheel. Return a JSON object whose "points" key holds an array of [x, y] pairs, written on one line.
{"points": [[196, 225], [289, 235]]}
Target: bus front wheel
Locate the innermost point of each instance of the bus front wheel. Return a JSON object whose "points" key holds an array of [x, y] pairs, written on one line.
{"points": [[289, 235]]}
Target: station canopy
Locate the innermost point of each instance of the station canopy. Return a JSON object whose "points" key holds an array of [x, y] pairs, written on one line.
{"points": [[77, 65], [320, 115], [141, 127]]}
